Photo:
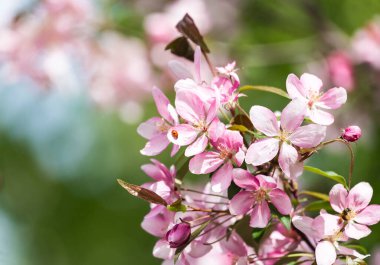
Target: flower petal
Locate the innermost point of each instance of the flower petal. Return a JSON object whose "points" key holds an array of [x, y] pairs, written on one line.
{"points": [[162, 103], [264, 120], [149, 128], [183, 134], [188, 104], [293, 115], [369, 216], [308, 136], [333, 98], [260, 215], [321, 117], [325, 253], [262, 151], [162, 250], [179, 70], [197, 64], [155, 146], [241, 203], [338, 198], [356, 231], [304, 224], [359, 196], [281, 201], [244, 179], [221, 179], [311, 83], [198, 146], [288, 158], [294, 87], [205, 163]]}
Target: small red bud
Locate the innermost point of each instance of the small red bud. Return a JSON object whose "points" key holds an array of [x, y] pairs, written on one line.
{"points": [[352, 133], [178, 235]]}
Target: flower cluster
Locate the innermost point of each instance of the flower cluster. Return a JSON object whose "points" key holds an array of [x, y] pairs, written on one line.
{"points": [[250, 209]]}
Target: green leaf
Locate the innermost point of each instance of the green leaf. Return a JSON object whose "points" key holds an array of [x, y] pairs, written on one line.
{"points": [[270, 89], [242, 119], [286, 221], [328, 174], [177, 206], [240, 128], [183, 170], [316, 206], [256, 234], [317, 195], [359, 248], [192, 237]]}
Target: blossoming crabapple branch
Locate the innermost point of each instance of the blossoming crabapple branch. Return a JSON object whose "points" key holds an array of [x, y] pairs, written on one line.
{"points": [[249, 211]]}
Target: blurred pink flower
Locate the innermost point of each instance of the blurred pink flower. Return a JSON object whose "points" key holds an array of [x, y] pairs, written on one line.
{"points": [[340, 68]]}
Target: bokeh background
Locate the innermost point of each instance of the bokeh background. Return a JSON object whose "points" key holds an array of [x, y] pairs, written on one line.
{"points": [[75, 80]]}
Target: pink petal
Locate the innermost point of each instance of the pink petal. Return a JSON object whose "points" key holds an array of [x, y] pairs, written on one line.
{"points": [[212, 112], [198, 146], [325, 253], [221, 179], [264, 120], [308, 136], [239, 157], [262, 151], [281, 201], [175, 149], [321, 117], [260, 215], [359, 196], [333, 98], [235, 245], [294, 87], [338, 198], [296, 170], [288, 158], [183, 134], [327, 224], [197, 64], [244, 179], [179, 70], [351, 252], [293, 115], [266, 182], [198, 249], [149, 128], [162, 103], [156, 222], [205, 163], [188, 104], [241, 203], [155, 146], [154, 172], [311, 83], [369, 216], [162, 250], [356, 231], [304, 224]]}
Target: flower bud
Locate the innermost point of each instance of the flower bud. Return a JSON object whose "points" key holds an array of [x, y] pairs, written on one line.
{"points": [[178, 235], [352, 133]]}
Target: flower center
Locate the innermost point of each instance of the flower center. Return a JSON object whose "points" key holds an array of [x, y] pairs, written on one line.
{"points": [[260, 195], [284, 136], [347, 214], [162, 126]]}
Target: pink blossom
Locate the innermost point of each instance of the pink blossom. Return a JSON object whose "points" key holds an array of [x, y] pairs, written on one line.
{"points": [[157, 221], [282, 138], [308, 90], [156, 128], [258, 191], [354, 209], [200, 117], [325, 232], [228, 151], [340, 67], [178, 235]]}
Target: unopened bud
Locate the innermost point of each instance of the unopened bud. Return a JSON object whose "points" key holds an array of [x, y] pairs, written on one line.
{"points": [[352, 133], [178, 235]]}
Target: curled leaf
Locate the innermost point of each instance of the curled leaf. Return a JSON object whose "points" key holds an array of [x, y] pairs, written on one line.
{"points": [[187, 27], [270, 89], [142, 193]]}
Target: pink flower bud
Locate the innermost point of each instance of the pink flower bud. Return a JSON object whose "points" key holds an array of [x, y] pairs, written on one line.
{"points": [[352, 133], [178, 235]]}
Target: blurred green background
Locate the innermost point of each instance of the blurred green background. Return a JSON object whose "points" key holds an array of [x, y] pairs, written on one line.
{"points": [[60, 155]]}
